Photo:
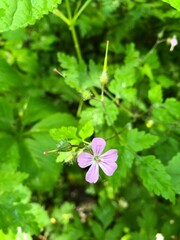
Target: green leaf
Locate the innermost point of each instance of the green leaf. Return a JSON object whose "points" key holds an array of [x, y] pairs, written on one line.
{"points": [[86, 131], [153, 60], [34, 109], [115, 232], [148, 224], [63, 133], [40, 215], [6, 114], [173, 107], [108, 108], [155, 178], [132, 55], [76, 74], [138, 141], [7, 73], [125, 163], [121, 86], [15, 209], [173, 169], [64, 157], [155, 94], [55, 120], [42, 169], [105, 213], [97, 229], [16, 14], [173, 3], [97, 118]]}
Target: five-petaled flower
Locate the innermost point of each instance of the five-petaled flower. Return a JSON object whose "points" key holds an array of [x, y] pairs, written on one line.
{"points": [[105, 161]]}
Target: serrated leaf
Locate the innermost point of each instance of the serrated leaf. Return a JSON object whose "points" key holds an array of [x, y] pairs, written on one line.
{"points": [[155, 178], [15, 209], [64, 157], [16, 14], [108, 109], [174, 3], [173, 107], [76, 73], [124, 79], [155, 94], [40, 215], [138, 141], [86, 131], [97, 118], [132, 55], [173, 169], [63, 133]]}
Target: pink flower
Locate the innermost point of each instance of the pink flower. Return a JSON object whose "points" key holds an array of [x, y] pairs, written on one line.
{"points": [[105, 161], [173, 43]]}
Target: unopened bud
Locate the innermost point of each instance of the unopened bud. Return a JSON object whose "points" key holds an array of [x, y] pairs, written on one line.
{"points": [[64, 146], [104, 78], [86, 95]]}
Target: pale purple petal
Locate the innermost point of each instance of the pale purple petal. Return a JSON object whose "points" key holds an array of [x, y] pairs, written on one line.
{"points": [[109, 156], [92, 174], [108, 168], [98, 145], [85, 159]]}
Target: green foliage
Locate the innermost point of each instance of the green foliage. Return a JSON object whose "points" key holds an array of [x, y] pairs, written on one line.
{"points": [[138, 141], [173, 3], [21, 13], [173, 170], [155, 177], [47, 118]]}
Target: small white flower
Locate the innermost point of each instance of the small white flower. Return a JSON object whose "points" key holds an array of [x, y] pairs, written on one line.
{"points": [[159, 236], [173, 42]]}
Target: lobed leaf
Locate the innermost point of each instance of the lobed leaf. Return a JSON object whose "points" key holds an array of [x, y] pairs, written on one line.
{"points": [[155, 178], [173, 169], [155, 94], [138, 141], [63, 133], [86, 131], [16, 14]]}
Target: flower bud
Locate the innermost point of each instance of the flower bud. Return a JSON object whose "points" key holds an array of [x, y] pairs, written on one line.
{"points": [[86, 95], [104, 78], [64, 146]]}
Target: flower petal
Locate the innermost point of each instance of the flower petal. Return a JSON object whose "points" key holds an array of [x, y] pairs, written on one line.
{"points": [[98, 145], [85, 159], [92, 174], [108, 168], [109, 156]]}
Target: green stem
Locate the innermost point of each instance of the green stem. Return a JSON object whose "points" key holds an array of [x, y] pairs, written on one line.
{"points": [[73, 31], [81, 10], [153, 47], [61, 16], [79, 108]]}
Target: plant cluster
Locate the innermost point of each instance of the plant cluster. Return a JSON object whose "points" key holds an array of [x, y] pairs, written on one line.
{"points": [[94, 83]]}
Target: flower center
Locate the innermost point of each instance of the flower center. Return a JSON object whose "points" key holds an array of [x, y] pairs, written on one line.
{"points": [[97, 159]]}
